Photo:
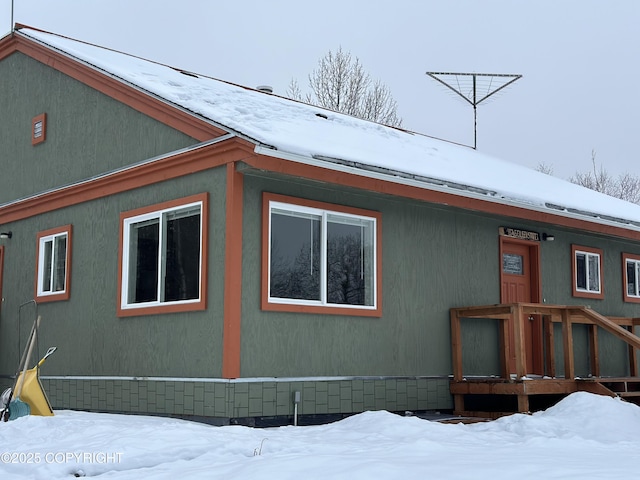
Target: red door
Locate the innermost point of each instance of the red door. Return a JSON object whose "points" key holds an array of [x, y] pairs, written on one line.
{"points": [[519, 276]]}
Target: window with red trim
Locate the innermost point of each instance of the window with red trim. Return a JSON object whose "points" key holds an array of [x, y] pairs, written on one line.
{"points": [[587, 272], [53, 263], [320, 257], [162, 257], [631, 277]]}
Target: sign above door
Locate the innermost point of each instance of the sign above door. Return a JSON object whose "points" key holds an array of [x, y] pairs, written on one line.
{"points": [[518, 233]]}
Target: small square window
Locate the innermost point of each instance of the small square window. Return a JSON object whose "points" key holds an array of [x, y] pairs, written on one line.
{"points": [[631, 277], [587, 272], [512, 264], [53, 263], [39, 129]]}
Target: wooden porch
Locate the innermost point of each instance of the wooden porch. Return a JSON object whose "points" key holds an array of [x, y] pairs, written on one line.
{"points": [[515, 389]]}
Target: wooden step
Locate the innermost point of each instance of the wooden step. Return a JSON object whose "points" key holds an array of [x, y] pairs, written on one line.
{"points": [[628, 394], [622, 384]]}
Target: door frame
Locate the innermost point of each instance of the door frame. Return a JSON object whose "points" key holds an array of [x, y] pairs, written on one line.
{"points": [[1, 274], [535, 281]]}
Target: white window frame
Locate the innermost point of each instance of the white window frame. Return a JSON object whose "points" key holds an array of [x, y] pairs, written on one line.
{"points": [[53, 238], [588, 253], [324, 214], [160, 215], [636, 265]]}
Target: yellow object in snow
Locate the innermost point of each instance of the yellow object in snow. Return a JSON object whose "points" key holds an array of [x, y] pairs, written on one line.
{"points": [[29, 391], [33, 394]]}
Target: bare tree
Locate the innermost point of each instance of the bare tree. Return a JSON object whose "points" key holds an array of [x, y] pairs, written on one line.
{"points": [[340, 83], [628, 188], [596, 179], [544, 167], [625, 187]]}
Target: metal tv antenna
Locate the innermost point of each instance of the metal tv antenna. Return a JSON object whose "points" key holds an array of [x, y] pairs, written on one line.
{"points": [[11, 28], [474, 88]]}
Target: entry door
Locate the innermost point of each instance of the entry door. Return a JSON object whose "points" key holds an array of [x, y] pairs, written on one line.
{"points": [[519, 279]]}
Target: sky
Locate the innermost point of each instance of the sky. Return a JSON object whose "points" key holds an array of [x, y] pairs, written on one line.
{"points": [[577, 59], [585, 436]]}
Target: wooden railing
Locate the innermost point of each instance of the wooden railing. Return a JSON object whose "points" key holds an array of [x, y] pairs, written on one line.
{"points": [[512, 318]]}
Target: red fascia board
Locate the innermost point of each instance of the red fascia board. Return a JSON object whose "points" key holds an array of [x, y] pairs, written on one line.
{"points": [[192, 161], [362, 182]]}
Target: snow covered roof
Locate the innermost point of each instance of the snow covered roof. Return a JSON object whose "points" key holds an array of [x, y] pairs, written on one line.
{"points": [[299, 132]]}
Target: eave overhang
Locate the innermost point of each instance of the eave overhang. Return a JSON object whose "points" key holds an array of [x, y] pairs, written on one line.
{"points": [[436, 191]]}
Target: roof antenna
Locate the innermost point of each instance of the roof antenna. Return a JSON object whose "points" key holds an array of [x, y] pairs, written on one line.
{"points": [[470, 83], [12, 16]]}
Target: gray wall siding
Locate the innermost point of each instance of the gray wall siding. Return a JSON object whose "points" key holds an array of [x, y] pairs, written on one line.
{"points": [[434, 258], [87, 133], [557, 280], [91, 339]]}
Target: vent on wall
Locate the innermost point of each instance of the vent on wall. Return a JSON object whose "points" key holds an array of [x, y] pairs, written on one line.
{"points": [[38, 129]]}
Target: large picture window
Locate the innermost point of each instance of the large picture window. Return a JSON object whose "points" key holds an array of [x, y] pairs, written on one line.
{"points": [[321, 256], [162, 257], [53, 262], [631, 277], [587, 272]]}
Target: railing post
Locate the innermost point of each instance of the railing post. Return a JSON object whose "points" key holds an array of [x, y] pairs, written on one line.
{"points": [[567, 343], [505, 352], [633, 354], [594, 355], [549, 347], [517, 316], [456, 345]]}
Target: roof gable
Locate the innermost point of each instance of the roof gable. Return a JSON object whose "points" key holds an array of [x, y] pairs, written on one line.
{"points": [[127, 93]]}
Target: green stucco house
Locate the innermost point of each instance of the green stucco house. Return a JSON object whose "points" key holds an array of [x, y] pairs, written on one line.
{"points": [[206, 250]]}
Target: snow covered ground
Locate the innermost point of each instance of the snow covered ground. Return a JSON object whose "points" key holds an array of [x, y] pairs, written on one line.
{"points": [[584, 436]]}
